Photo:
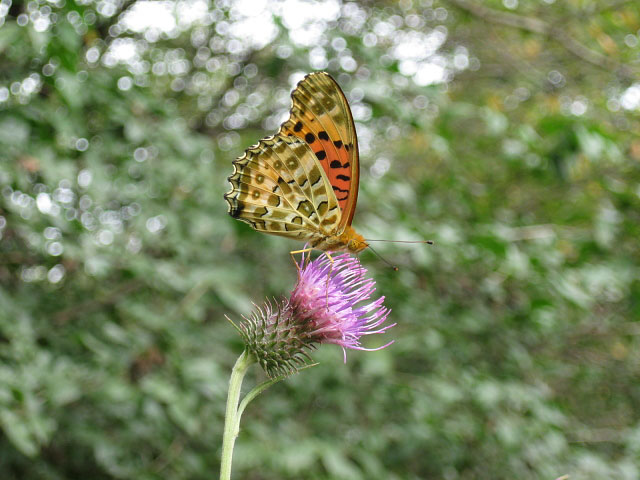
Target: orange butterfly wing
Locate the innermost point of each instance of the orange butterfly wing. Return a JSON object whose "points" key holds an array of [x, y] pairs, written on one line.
{"points": [[320, 115]]}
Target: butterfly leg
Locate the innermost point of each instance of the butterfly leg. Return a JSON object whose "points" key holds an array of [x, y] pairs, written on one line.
{"points": [[294, 252], [304, 250], [328, 277]]}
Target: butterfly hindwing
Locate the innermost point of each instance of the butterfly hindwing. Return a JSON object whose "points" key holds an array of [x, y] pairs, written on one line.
{"points": [[320, 116], [280, 188]]}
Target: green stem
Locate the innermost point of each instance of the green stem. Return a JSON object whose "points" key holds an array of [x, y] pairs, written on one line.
{"points": [[253, 394], [233, 413], [257, 390], [231, 422]]}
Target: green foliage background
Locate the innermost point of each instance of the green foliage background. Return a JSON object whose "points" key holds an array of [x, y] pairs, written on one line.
{"points": [[516, 350]]}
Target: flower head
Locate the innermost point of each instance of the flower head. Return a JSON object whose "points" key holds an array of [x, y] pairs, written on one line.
{"points": [[334, 300], [330, 303]]}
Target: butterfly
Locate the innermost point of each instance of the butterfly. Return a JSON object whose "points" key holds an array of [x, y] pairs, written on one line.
{"points": [[302, 182]]}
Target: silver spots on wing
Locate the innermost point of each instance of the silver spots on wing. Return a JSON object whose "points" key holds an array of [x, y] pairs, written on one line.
{"points": [[278, 187]]}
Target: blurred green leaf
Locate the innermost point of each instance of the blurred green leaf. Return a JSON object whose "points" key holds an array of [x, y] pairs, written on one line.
{"points": [[516, 347]]}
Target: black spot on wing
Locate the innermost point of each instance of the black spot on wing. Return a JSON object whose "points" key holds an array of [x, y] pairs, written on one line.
{"points": [[338, 143], [346, 178], [337, 164], [323, 135], [297, 127], [309, 138], [321, 155], [236, 210]]}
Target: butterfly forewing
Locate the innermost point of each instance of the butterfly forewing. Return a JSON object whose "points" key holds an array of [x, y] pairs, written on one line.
{"points": [[320, 116], [280, 188]]}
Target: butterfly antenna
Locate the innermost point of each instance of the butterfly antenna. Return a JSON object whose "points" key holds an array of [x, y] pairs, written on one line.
{"points": [[383, 259], [428, 242]]}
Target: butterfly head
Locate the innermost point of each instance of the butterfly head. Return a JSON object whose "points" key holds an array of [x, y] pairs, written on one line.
{"points": [[354, 242]]}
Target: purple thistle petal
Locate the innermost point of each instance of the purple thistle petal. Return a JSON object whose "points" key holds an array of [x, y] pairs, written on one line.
{"points": [[334, 300]]}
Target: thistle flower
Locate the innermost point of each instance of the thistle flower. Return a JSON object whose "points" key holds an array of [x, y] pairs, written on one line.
{"points": [[330, 303]]}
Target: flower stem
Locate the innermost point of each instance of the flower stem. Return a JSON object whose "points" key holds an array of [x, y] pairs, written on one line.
{"points": [[257, 390], [231, 422], [233, 413]]}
